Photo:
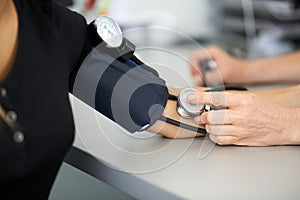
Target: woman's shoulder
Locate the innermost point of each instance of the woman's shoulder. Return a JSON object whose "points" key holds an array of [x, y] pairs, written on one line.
{"points": [[59, 25]]}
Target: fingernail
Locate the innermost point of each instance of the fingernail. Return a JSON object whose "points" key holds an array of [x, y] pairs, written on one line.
{"points": [[192, 98], [197, 119]]}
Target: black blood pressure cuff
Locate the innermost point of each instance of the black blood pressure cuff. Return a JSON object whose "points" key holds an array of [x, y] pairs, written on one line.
{"points": [[124, 92]]}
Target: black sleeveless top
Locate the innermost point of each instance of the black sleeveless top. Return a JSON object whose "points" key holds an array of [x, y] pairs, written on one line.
{"points": [[51, 45]]}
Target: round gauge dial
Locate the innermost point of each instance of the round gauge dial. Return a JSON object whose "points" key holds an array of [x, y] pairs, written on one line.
{"points": [[109, 31]]}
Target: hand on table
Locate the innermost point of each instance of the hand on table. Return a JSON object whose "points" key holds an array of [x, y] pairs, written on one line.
{"points": [[247, 119]]}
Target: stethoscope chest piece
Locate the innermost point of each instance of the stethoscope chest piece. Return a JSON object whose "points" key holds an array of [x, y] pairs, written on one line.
{"points": [[184, 108]]}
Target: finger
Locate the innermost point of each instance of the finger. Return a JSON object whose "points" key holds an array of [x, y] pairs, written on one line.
{"points": [[214, 117], [222, 130], [223, 140], [215, 99]]}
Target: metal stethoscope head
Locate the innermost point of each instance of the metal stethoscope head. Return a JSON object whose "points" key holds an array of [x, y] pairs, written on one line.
{"points": [[187, 110]]}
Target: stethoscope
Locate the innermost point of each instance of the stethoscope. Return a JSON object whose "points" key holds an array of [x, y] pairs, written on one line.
{"points": [[187, 110], [106, 35]]}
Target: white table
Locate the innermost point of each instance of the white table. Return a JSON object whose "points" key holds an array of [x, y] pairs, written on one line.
{"points": [[149, 166]]}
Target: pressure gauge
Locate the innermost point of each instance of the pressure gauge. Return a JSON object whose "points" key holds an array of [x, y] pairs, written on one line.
{"points": [[109, 31], [106, 35]]}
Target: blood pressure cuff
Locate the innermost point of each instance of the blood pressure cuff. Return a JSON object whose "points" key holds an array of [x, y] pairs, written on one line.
{"points": [[124, 92]]}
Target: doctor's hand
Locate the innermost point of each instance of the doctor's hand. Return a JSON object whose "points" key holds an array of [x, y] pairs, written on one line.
{"points": [[230, 70], [246, 119]]}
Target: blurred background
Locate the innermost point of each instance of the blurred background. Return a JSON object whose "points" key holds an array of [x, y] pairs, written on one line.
{"points": [[247, 29]]}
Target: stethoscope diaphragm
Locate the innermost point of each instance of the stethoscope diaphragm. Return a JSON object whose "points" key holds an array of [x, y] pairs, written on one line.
{"points": [[184, 108]]}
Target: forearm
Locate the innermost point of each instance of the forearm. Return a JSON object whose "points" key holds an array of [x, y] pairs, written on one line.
{"points": [[172, 131], [289, 97], [285, 68]]}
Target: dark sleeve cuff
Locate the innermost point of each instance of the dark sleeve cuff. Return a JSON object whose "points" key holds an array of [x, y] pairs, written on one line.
{"points": [[129, 95]]}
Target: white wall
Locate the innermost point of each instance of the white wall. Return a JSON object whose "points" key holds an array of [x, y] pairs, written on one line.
{"points": [[190, 16]]}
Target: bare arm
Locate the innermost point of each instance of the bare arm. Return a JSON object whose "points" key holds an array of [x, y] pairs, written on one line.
{"points": [[231, 70], [289, 97], [284, 68]]}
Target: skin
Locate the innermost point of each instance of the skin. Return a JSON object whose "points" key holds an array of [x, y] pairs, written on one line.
{"points": [[8, 36], [258, 118], [235, 71], [248, 120], [8, 49]]}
